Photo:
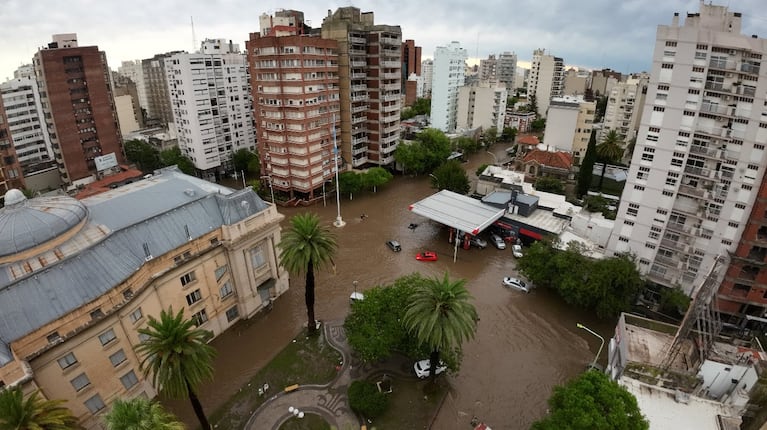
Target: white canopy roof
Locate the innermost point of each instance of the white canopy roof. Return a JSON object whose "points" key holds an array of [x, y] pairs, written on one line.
{"points": [[457, 211]]}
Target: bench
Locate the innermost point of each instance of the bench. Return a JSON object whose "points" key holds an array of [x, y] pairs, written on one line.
{"points": [[290, 388]]}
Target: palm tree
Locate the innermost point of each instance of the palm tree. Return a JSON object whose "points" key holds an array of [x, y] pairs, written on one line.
{"points": [[140, 414], [304, 247], [33, 413], [178, 356], [609, 151], [441, 316]]}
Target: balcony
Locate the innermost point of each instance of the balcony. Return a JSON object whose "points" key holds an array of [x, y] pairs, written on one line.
{"points": [[359, 150], [391, 76], [359, 87], [703, 150], [722, 65], [697, 171], [719, 87], [358, 64], [749, 68], [358, 140], [677, 245], [359, 119], [357, 40], [358, 109], [359, 75], [360, 98], [391, 64], [391, 97], [666, 261]]}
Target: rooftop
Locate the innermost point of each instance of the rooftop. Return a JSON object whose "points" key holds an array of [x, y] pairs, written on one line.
{"points": [[557, 160], [458, 211]]}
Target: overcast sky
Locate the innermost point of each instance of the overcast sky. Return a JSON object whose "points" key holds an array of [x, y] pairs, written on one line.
{"points": [[618, 34]]}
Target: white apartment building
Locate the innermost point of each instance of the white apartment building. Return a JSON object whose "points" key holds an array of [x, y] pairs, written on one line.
{"points": [[569, 124], [506, 70], [427, 72], [700, 152], [134, 71], [447, 78], [546, 79], [624, 107], [210, 96], [483, 106], [26, 124]]}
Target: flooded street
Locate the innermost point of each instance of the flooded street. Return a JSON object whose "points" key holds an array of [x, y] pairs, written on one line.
{"points": [[525, 343]]}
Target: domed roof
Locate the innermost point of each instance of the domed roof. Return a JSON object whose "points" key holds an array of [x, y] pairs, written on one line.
{"points": [[25, 224]]}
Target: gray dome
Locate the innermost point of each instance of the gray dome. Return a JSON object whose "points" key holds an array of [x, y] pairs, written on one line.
{"points": [[25, 224]]}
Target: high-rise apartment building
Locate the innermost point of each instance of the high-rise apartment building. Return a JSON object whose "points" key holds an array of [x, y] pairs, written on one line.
{"points": [[482, 107], [133, 70], [546, 79], [569, 124], [76, 96], [210, 94], [370, 82], [127, 104], [26, 124], [159, 108], [699, 161], [624, 107], [10, 170], [427, 72], [295, 95], [502, 70], [487, 69], [447, 78], [411, 70]]}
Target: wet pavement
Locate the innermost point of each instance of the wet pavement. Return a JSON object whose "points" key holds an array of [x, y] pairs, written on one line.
{"points": [[525, 343]]}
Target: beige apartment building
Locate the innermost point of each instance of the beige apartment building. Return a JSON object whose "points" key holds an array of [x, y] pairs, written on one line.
{"points": [[78, 279], [569, 124], [624, 107]]}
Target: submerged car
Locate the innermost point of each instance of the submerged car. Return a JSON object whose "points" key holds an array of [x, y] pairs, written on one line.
{"points": [[517, 251], [394, 245], [517, 284], [426, 256], [498, 241], [478, 242], [423, 367]]}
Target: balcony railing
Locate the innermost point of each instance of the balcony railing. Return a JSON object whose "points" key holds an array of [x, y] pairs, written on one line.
{"points": [[698, 171]]}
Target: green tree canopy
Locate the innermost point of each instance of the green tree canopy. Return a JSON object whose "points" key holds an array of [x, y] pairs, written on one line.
{"points": [[466, 145], [430, 149], [33, 413], [140, 414], [538, 124], [376, 177], [178, 357], [592, 401], [549, 184], [586, 169], [173, 156], [350, 182], [146, 158], [532, 104], [451, 176], [411, 156], [609, 151], [490, 136], [420, 107], [304, 247], [509, 134], [242, 159]]}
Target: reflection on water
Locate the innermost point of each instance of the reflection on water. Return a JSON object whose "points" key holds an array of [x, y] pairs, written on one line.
{"points": [[525, 343]]}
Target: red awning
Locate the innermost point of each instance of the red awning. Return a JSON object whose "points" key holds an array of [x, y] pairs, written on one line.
{"points": [[530, 234]]}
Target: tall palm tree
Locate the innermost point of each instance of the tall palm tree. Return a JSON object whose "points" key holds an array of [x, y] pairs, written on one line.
{"points": [[609, 151], [441, 316], [178, 356], [140, 414], [33, 413], [304, 247]]}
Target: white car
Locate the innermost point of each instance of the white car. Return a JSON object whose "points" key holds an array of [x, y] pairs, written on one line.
{"points": [[422, 368], [517, 251], [517, 284]]}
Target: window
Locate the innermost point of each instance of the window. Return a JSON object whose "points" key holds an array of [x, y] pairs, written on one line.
{"points": [[193, 297], [661, 211], [667, 66], [257, 257], [53, 337], [670, 43], [225, 290], [627, 222], [96, 314], [649, 245], [733, 224], [107, 336], [67, 360], [623, 239], [647, 157], [143, 337], [643, 172], [740, 205], [726, 242], [80, 382], [127, 293], [95, 404], [232, 313], [136, 315], [668, 193], [633, 209], [188, 279], [220, 272], [200, 318], [638, 187], [129, 380], [659, 109], [117, 358]]}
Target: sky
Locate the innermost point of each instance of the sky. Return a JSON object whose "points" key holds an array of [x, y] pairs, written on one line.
{"points": [[617, 34]]}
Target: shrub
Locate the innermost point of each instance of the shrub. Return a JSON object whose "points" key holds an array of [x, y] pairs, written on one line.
{"points": [[365, 399]]}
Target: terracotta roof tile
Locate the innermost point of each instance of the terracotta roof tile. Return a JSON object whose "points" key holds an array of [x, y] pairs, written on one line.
{"points": [[528, 140], [561, 160]]}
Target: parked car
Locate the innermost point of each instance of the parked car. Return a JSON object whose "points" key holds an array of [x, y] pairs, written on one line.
{"points": [[426, 256], [517, 251], [394, 245], [517, 284], [423, 367], [478, 242], [497, 241]]}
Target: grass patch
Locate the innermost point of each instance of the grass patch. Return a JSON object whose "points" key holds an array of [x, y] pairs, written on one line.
{"points": [[409, 406], [305, 360], [308, 422]]}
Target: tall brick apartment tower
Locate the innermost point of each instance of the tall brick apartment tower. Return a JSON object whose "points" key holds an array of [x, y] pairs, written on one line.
{"points": [[411, 65], [10, 170], [80, 111], [294, 83]]}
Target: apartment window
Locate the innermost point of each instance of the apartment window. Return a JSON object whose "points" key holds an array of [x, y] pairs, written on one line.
{"points": [[758, 146], [649, 245], [107, 336], [257, 257], [659, 109], [671, 180], [662, 87], [627, 222], [753, 167], [95, 404], [654, 130], [117, 358], [220, 272], [740, 205], [136, 315], [225, 290], [733, 224], [638, 187], [96, 314], [623, 239], [143, 337], [668, 193], [693, 91], [670, 43], [647, 157], [643, 173], [129, 380], [200, 318], [127, 294], [746, 187], [667, 66], [53, 337], [193, 297], [232, 313], [644, 262], [726, 242], [80, 382], [67, 360], [653, 235], [633, 209], [188, 278], [661, 211], [689, 113]]}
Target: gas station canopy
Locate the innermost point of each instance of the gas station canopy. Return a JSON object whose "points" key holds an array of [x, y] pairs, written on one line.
{"points": [[458, 211]]}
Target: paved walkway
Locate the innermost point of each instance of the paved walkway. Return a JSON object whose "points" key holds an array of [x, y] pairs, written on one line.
{"points": [[328, 400]]}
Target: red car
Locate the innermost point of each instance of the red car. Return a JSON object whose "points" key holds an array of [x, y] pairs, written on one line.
{"points": [[426, 256]]}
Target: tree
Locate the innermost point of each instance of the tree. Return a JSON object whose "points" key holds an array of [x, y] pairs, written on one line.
{"points": [[436, 147], [178, 356], [532, 104], [673, 301], [306, 246], [441, 317], [254, 167], [481, 169], [242, 159], [173, 156], [451, 176], [143, 155], [586, 170], [509, 134], [538, 125], [595, 402], [549, 185], [601, 109], [140, 414], [466, 145], [490, 136], [609, 151], [376, 177], [411, 157], [350, 183], [33, 413]]}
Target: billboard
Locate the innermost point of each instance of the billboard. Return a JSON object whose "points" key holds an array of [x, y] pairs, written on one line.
{"points": [[106, 161]]}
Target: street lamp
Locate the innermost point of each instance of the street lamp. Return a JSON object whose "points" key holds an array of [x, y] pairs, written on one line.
{"points": [[339, 222], [594, 363], [435, 179], [271, 189], [494, 158]]}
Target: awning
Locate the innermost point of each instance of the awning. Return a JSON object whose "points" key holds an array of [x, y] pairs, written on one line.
{"points": [[530, 234], [458, 211]]}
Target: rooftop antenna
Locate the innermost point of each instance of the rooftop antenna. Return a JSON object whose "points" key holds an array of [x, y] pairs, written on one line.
{"points": [[194, 38]]}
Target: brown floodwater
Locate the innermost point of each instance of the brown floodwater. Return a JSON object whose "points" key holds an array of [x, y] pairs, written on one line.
{"points": [[525, 343]]}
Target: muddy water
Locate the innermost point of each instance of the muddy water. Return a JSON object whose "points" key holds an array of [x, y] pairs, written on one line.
{"points": [[525, 343]]}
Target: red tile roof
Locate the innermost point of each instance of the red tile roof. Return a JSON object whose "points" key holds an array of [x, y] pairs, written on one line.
{"points": [[103, 185], [528, 140], [560, 160]]}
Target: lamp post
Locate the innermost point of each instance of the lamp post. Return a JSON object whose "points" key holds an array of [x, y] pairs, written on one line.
{"points": [[594, 363], [494, 158], [271, 189], [339, 222], [436, 180]]}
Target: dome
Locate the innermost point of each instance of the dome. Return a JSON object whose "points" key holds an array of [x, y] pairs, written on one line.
{"points": [[25, 224]]}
